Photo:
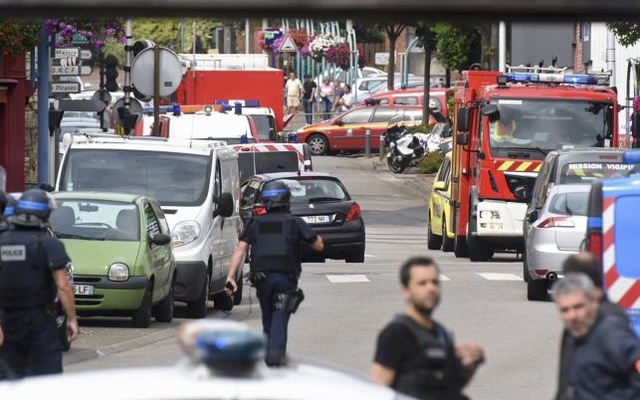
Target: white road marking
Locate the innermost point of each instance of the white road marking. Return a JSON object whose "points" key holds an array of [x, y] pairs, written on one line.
{"points": [[347, 278], [491, 276], [444, 278], [370, 255]]}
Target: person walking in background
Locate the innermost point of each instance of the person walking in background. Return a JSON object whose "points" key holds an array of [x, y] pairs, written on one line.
{"points": [[338, 92], [294, 90], [326, 97], [415, 354], [606, 360], [346, 100], [309, 97]]}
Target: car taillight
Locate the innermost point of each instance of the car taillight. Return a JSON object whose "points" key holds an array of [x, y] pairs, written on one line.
{"points": [[259, 210], [354, 213], [557, 222], [594, 244]]}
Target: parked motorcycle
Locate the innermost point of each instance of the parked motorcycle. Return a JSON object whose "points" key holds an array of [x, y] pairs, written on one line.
{"points": [[407, 149]]}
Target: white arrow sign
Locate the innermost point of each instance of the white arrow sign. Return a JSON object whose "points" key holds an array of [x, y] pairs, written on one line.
{"points": [[85, 54], [69, 52], [67, 70], [65, 87], [85, 70]]}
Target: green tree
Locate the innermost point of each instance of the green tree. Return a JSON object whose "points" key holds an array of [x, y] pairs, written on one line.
{"points": [[627, 33], [458, 46]]}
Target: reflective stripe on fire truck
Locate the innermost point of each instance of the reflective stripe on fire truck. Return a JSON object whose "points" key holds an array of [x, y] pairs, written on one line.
{"points": [[519, 166], [255, 147], [621, 290]]}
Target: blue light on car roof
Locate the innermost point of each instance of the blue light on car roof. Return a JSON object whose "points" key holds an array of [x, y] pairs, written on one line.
{"points": [[238, 108], [293, 138], [175, 109], [252, 103], [631, 157], [244, 139], [583, 79], [232, 345]]}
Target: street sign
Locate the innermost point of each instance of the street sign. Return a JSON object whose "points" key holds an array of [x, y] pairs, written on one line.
{"points": [[170, 71], [65, 62], [381, 59], [288, 45], [58, 70], [85, 54], [85, 70], [65, 87], [67, 52]]}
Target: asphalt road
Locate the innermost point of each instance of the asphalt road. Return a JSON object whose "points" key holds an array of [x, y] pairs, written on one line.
{"points": [[347, 304]]}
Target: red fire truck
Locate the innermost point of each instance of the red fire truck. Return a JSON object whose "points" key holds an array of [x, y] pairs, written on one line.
{"points": [[506, 124]]}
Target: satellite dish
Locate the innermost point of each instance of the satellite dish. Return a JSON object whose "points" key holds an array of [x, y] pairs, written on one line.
{"points": [[170, 72], [135, 107]]}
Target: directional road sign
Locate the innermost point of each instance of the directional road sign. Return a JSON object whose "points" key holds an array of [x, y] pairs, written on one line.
{"points": [[67, 52], [65, 87], [85, 70], [58, 70]]}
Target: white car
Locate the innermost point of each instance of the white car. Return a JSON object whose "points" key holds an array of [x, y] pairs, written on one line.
{"points": [[224, 361]]}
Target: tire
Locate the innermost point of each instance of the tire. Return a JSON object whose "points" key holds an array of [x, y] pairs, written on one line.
{"points": [[357, 257], [460, 248], [525, 267], [447, 244], [141, 317], [198, 308], [477, 247], [318, 144], [393, 165], [164, 309], [537, 290], [237, 296], [434, 242]]}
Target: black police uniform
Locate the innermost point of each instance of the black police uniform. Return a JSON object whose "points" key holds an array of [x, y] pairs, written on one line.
{"points": [[423, 359], [27, 293], [276, 239]]}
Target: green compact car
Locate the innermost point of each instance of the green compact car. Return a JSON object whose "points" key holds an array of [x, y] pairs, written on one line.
{"points": [[120, 247]]}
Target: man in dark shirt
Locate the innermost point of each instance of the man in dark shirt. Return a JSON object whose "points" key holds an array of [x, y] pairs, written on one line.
{"points": [[606, 360], [586, 263], [415, 355], [309, 97]]}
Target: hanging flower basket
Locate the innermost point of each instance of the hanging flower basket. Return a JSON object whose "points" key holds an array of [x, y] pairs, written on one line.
{"points": [[18, 37], [96, 33], [319, 46]]}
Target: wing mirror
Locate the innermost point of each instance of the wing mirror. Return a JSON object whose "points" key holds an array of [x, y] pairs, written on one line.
{"points": [[462, 138], [464, 119], [225, 205], [522, 193], [533, 217], [491, 111], [161, 239], [439, 185]]}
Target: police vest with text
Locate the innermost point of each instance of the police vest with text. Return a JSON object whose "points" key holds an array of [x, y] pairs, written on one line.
{"points": [[277, 245], [23, 279]]}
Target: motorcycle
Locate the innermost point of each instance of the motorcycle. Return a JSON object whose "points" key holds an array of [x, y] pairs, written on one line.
{"points": [[407, 149]]}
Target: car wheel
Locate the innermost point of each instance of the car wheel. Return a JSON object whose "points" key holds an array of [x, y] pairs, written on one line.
{"points": [[318, 144], [198, 307], [394, 165], [460, 249], [525, 267], [537, 290], [433, 241], [164, 309], [478, 250], [357, 257], [447, 244], [141, 317], [237, 296]]}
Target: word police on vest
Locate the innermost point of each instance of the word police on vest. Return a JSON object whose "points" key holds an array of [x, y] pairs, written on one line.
{"points": [[13, 253]]}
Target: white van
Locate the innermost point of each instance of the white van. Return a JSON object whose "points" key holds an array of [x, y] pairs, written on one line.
{"points": [[197, 186]]}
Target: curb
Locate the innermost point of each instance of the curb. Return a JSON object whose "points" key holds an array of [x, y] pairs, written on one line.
{"points": [[90, 354]]}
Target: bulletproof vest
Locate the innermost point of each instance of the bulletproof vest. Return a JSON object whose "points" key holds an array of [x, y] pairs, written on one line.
{"points": [[23, 268], [276, 245], [433, 374]]}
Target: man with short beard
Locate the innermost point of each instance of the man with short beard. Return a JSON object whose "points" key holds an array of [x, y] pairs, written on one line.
{"points": [[415, 354], [606, 360]]}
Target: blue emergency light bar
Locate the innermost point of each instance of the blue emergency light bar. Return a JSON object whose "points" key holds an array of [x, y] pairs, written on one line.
{"points": [[631, 157], [576, 79], [219, 346]]}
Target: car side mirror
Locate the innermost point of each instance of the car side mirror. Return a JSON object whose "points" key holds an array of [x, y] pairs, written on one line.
{"points": [[464, 119], [225, 205], [439, 185], [161, 239], [491, 111], [462, 138], [522, 193], [533, 217]]}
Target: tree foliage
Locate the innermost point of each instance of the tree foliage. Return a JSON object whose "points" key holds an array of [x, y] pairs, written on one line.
{"points": [[18, 37], [627, 33], [455, 45]]}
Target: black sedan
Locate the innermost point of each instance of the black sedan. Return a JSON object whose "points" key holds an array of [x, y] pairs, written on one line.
{"points": [[324, 203]]}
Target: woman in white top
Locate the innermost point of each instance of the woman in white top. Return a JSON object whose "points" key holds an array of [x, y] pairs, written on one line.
{"points": [[346, 101], [326, 97]]}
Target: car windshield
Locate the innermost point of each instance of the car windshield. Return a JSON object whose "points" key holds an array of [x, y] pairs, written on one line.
{"points": [[175, 179], [586, 172], [254, 163], [265, 124], [311, 190], [535, 127], [89, 219], [570, 203]]}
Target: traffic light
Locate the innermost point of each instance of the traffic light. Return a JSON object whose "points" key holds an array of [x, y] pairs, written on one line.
{"points": [[136, 49], [111, 73]]}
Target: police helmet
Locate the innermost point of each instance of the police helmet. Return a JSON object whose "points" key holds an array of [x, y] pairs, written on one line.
{"points": [[3, 201], [10, 206], [276, 194], [33, 208]]}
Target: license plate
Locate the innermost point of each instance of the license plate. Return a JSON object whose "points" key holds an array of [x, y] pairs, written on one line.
{"points": [[83, 290], [316, 219]]}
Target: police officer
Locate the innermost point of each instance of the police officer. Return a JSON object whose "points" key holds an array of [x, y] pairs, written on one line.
{"points": [[32, 270], [503, 130], [3, 204], [275, 239], [415, 354]]}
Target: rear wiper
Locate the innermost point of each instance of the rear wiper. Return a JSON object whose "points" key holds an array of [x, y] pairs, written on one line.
{"points": [[62, 235], [321, 199]]}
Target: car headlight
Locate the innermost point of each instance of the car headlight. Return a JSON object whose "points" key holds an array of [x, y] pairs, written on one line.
{"points": [[118, 272], [184, 233], [489, 214]]}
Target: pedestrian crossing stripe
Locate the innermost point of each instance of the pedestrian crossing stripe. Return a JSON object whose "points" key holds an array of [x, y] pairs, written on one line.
{"points": [[348, 278], [492, 276], [361, 278]]}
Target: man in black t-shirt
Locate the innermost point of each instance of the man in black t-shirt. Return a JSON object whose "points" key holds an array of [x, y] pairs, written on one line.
{"points": [[415, 354], [309, 97]]}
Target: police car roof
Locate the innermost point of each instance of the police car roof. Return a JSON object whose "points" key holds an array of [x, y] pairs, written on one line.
{"points": [[587, 153], [295, 175]]}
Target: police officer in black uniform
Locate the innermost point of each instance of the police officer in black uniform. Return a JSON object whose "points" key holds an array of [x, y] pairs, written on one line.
{"points": [[32, 271], [4, 198], [275, 239]]}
